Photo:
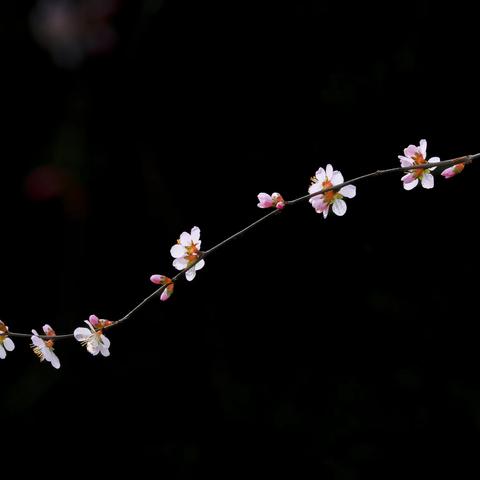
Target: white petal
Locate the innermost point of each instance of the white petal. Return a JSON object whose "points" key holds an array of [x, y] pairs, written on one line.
{"points": [[81, 334], [8, 344], [405, 161], [90, 326], [325, 212], [337, 178], [190, 274], [38, 342], [200, 265], [315, 187], [55, 361], [433, 160], [105, 341], [104, 350], [47, 353], [427, 180], [329, 171], [180, 263], [348, 191], [3, 353], [320, 174], [195, 234], [423, 148], [410, 185], [339, 207], [185, 239], [93, 346], [177, 251]]}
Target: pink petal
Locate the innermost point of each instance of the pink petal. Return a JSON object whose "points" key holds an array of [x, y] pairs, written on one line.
{"points": [[405, 162], [93, 319], [157, 279], [410, 185], [410, 151], [265, 200]]}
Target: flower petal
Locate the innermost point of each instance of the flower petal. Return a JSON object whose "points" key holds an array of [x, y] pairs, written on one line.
{"points": [[200, 265], [190, 274], [177, 251], [410, 151], [104, 350], [337, 178], [423, 148], [348, 191], [54, 360], [8, 344], [325, 211], [81, 334], [157, 279], [320, 174], [38, 342], [405, 162], [329, 171], [428, 180], [185, 239], [315, 187], [104, 341], [339, 207], [180, 263], [410, 185], [195, 234], [265, 200], [3, 353], [433, 160]]}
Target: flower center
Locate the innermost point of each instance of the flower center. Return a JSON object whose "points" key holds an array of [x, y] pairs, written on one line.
{"points": [[330, 196]]}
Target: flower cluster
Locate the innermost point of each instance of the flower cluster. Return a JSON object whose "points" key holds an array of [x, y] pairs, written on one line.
{"points": [[186, 253], [414, 155], [92, 337], [6, 343], [44, 349], [267, 201], [327, 179]]}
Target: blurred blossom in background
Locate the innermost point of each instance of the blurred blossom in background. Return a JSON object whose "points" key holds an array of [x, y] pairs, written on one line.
{"points": [[72, 30]]}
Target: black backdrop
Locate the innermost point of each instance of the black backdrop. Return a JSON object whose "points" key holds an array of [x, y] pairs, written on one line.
{"points": [[342, 348]]}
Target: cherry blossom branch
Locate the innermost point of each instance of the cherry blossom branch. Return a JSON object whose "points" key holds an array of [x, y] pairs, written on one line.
{"points": [[202, 255], [446, 163]]}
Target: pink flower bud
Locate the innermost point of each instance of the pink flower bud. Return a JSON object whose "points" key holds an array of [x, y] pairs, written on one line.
{"points": [[452, 171], [265, 200]]}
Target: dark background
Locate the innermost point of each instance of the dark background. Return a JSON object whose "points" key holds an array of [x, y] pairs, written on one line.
{"points": [[345, 348]]}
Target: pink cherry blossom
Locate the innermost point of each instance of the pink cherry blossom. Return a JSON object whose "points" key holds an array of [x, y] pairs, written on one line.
{"points": [[187, 251], [326, 178], [454, 170], [43, 349], [92, 337], [163, 280], [6, 343], [267, 201], [414, 155]]}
